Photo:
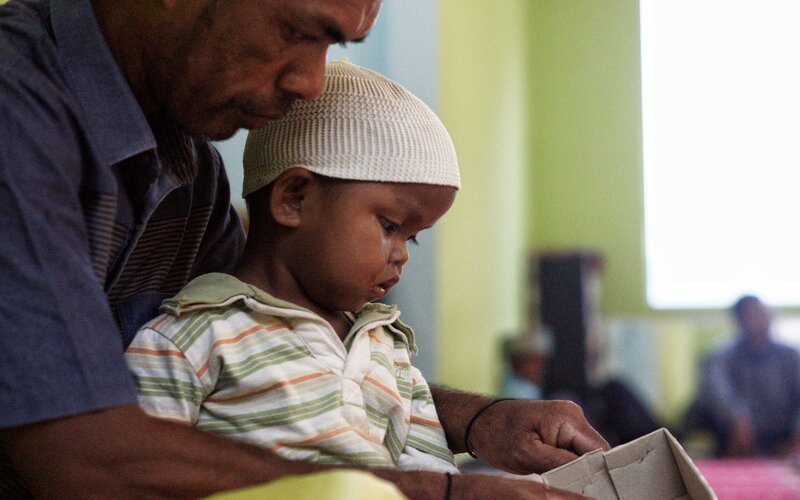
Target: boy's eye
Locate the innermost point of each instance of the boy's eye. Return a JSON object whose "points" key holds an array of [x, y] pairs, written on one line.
{"points": [[413, 239], [389, 226]]}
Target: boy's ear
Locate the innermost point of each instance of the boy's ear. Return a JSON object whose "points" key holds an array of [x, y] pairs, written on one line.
{"points": [[289, 193]]}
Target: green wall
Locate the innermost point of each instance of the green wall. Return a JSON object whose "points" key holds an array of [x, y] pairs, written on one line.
{"points": [[586, 165], [483, 103], [542, 99]]}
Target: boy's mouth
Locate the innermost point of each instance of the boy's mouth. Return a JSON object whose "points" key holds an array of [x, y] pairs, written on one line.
{"points": [[381, 289]]}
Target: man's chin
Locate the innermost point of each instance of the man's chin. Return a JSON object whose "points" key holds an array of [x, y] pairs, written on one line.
{"points": [[224, 125], [209, 132]]}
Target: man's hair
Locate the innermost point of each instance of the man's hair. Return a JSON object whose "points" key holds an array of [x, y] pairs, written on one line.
{"points": [[741, 304]]}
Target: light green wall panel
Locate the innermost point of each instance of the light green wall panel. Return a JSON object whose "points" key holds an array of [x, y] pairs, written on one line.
{"points": [[483, 103], [586, 177]]}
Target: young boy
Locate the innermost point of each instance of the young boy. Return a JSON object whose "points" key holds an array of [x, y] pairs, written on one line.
{"points": [[290, 353]]}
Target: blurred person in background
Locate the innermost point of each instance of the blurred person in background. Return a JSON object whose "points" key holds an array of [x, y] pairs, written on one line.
{"points": [[749, 394], [610, 405]]}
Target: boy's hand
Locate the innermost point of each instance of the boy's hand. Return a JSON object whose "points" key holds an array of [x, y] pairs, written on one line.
{"points": [[522, 436]]}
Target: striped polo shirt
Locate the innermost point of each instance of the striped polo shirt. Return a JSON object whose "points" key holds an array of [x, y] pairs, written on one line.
{"points": [[230, 359]]}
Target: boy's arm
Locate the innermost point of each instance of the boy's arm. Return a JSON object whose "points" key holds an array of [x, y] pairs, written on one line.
{"points": [[168, 382], [425, 442], [517, 436]]}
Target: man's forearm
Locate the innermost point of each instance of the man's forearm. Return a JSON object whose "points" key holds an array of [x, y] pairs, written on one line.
{"points": [[121, 452], [455, 409]]}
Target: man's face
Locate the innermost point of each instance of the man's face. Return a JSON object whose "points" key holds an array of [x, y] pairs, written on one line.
{"points": [[754, 322], [352, 244], [216, 66]]}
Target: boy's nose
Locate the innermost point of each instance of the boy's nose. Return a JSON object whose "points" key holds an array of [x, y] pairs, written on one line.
{"points": [[399, 254]]}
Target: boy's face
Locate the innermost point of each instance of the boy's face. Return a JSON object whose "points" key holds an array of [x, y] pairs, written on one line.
{"points": [[353, 239]]}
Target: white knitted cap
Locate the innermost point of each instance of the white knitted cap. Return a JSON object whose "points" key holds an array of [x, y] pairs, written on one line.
{"points": [[362, 127]]}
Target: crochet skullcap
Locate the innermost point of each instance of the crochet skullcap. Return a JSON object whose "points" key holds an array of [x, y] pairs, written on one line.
{"points": [[362, 127]]}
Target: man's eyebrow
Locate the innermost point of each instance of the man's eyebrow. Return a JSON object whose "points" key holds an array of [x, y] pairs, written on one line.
{"points": [[334, 32]]}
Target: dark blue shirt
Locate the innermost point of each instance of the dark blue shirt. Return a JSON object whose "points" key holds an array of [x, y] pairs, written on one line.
{"points": [[760, 385], [102, 214]]}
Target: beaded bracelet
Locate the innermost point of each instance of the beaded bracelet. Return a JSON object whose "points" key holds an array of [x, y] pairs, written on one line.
{"points": [[472, 422]]}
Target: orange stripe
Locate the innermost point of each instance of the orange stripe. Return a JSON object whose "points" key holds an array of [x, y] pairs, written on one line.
{"points": [[283, 383], [424, 421], [247, 332], [155, 324], [374, 337], [315, 439], [153, 352], [203, 368], [366, 437], [383, 388]]}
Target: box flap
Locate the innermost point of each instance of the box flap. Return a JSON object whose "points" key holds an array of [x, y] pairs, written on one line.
{"points": [[645, 468], [587, 475], [696, 485]]}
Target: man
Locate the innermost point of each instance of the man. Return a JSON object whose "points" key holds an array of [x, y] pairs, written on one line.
{"points": [[750, 389], [111, 199]]}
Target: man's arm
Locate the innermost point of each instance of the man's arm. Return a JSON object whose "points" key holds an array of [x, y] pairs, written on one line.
{"points": [[123, 453], [517, 436]]}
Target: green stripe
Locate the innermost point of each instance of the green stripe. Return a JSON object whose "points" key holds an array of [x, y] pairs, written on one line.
{"points": [[196, 324], [282, 353], [383, 360], [392, 441], [171, 388], [271, 418], [404, 388], [430, 448], [421, 392]]}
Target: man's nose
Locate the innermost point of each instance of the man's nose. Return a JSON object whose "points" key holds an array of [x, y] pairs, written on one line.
{"points": [[305, 79]]}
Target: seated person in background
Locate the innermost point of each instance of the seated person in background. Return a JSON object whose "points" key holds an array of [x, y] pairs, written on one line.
{"points": [[290, 353], [749, 395], [609, 405], [526, 357]]}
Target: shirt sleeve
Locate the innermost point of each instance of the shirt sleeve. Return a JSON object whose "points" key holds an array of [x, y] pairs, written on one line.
{"points": [[167, 381], [426, 445], [60, 350]]}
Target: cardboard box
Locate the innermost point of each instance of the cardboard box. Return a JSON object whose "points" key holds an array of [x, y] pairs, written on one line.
{"points": [[653, 467]]}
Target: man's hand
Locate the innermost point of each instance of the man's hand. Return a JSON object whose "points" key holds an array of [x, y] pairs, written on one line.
{"points": [[517, 436], [532, 436]]}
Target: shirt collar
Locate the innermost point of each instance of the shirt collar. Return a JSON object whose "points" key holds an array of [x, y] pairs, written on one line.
{"points": [[213, 290], [117, 126]]}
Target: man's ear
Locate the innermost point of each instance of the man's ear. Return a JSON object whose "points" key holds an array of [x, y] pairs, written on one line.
{"points": [[289, 194]]}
